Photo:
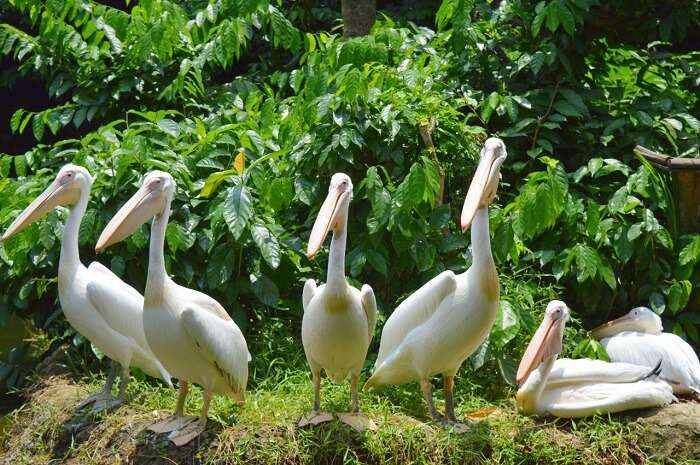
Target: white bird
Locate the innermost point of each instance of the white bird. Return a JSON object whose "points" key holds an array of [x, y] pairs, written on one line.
{"points": [[638, 338], [578, 388], [339, 320], [435, 329], [99, 305], [190, 333]]}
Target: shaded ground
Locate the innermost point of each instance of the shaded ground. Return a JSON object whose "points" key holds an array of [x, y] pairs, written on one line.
{"points": [[45, 430]]}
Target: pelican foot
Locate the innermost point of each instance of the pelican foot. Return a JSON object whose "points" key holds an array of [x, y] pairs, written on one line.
{"points": [[172, 423], [97, 397], [358, 421], [314, 418], [184, 435], [105, 404]]}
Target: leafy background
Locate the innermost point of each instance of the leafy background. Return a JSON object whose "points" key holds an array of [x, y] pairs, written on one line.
{"points": [[252, 105]]}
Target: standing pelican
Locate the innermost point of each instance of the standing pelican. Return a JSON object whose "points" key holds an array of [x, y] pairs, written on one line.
{"points": [[191, 333], [441, 324], [338, 320], [579, 388], [638, 338], [98, 304]]}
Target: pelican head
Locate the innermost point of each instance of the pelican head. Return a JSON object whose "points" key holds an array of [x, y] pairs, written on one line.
{"points": [[333, 212], [64, 191], [485, 182], [152, 199], [546, 342], [639, 319]]}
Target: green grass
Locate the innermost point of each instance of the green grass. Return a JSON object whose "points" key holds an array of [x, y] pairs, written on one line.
{"points": [[263, 431]]}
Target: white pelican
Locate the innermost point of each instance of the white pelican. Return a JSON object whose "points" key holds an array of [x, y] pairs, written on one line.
{"points": [[339, 320], [638, 338], [578, 388], [441, 324], [98, 304], [190, 333]]}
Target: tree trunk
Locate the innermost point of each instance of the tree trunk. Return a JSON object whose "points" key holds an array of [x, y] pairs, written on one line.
{"points": [[358, 16]]}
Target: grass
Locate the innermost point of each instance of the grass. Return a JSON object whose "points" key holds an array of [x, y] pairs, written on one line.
{"points": [[46, 429]]}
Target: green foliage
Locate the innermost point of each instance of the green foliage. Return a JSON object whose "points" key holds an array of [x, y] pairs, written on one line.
{"points": [[252, 112]]}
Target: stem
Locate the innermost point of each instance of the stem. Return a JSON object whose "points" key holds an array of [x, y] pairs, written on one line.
{"points": [[542, 119]]}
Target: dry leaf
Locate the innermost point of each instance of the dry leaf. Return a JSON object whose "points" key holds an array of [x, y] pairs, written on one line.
{"points": [[480, 413], [239, 162]]}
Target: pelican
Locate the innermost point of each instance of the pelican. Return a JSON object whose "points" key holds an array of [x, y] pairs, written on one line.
{"points": [[441, 324], [190, 333], [98, 304], [578, 388], [339, 320], [638, 338]]}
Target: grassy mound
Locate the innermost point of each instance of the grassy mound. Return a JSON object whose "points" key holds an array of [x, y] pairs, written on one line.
{"points": [[45, 429]]}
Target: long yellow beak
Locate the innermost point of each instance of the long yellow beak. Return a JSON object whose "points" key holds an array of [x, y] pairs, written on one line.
{"points": [[544, 344], [140, 208], [325, 220], [611, 327], [53, 196], [485, 180]]}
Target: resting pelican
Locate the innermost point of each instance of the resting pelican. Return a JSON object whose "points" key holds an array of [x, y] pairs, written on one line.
{"points": [[190, 333], [339, 320], [638, 338], [579, 388], [98, 304], [441, 324]]}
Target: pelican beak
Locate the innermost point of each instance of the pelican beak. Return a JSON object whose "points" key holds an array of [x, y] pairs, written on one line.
{"points": [[141, 207], [544, 344], [611, 327], [327, 218], [485, 181], [55, 194]]}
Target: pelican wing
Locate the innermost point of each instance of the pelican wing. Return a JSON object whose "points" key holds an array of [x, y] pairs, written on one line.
{"points": [[203, 301], [222, 344], [567, 372], [414, 311], [679, 366], [583, 400], [369, 305], [690, 365], [120, 305], [309, 292]]}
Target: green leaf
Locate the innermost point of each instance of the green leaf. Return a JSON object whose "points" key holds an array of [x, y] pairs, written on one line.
{"points": [[657, 302], [213, 181], [38, 126], [539, 19], [281, 193], [238, 209], [566, 18], [169, 127], [16, 120], [376, 260], [267, 244], [691, 252], [678, 295], [265, 290], [552, 16], [566, 108], [506, 326], [587, 262]]}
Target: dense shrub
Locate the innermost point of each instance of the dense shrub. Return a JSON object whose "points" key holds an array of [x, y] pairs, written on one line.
{"points": [[252, 112]]}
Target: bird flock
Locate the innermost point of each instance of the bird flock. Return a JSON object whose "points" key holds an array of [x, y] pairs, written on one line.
{"points": [[174, 332]]}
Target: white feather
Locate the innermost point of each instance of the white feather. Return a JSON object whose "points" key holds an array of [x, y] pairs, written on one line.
{"points": [[679, 363], [221, 344], [121, 308]]}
